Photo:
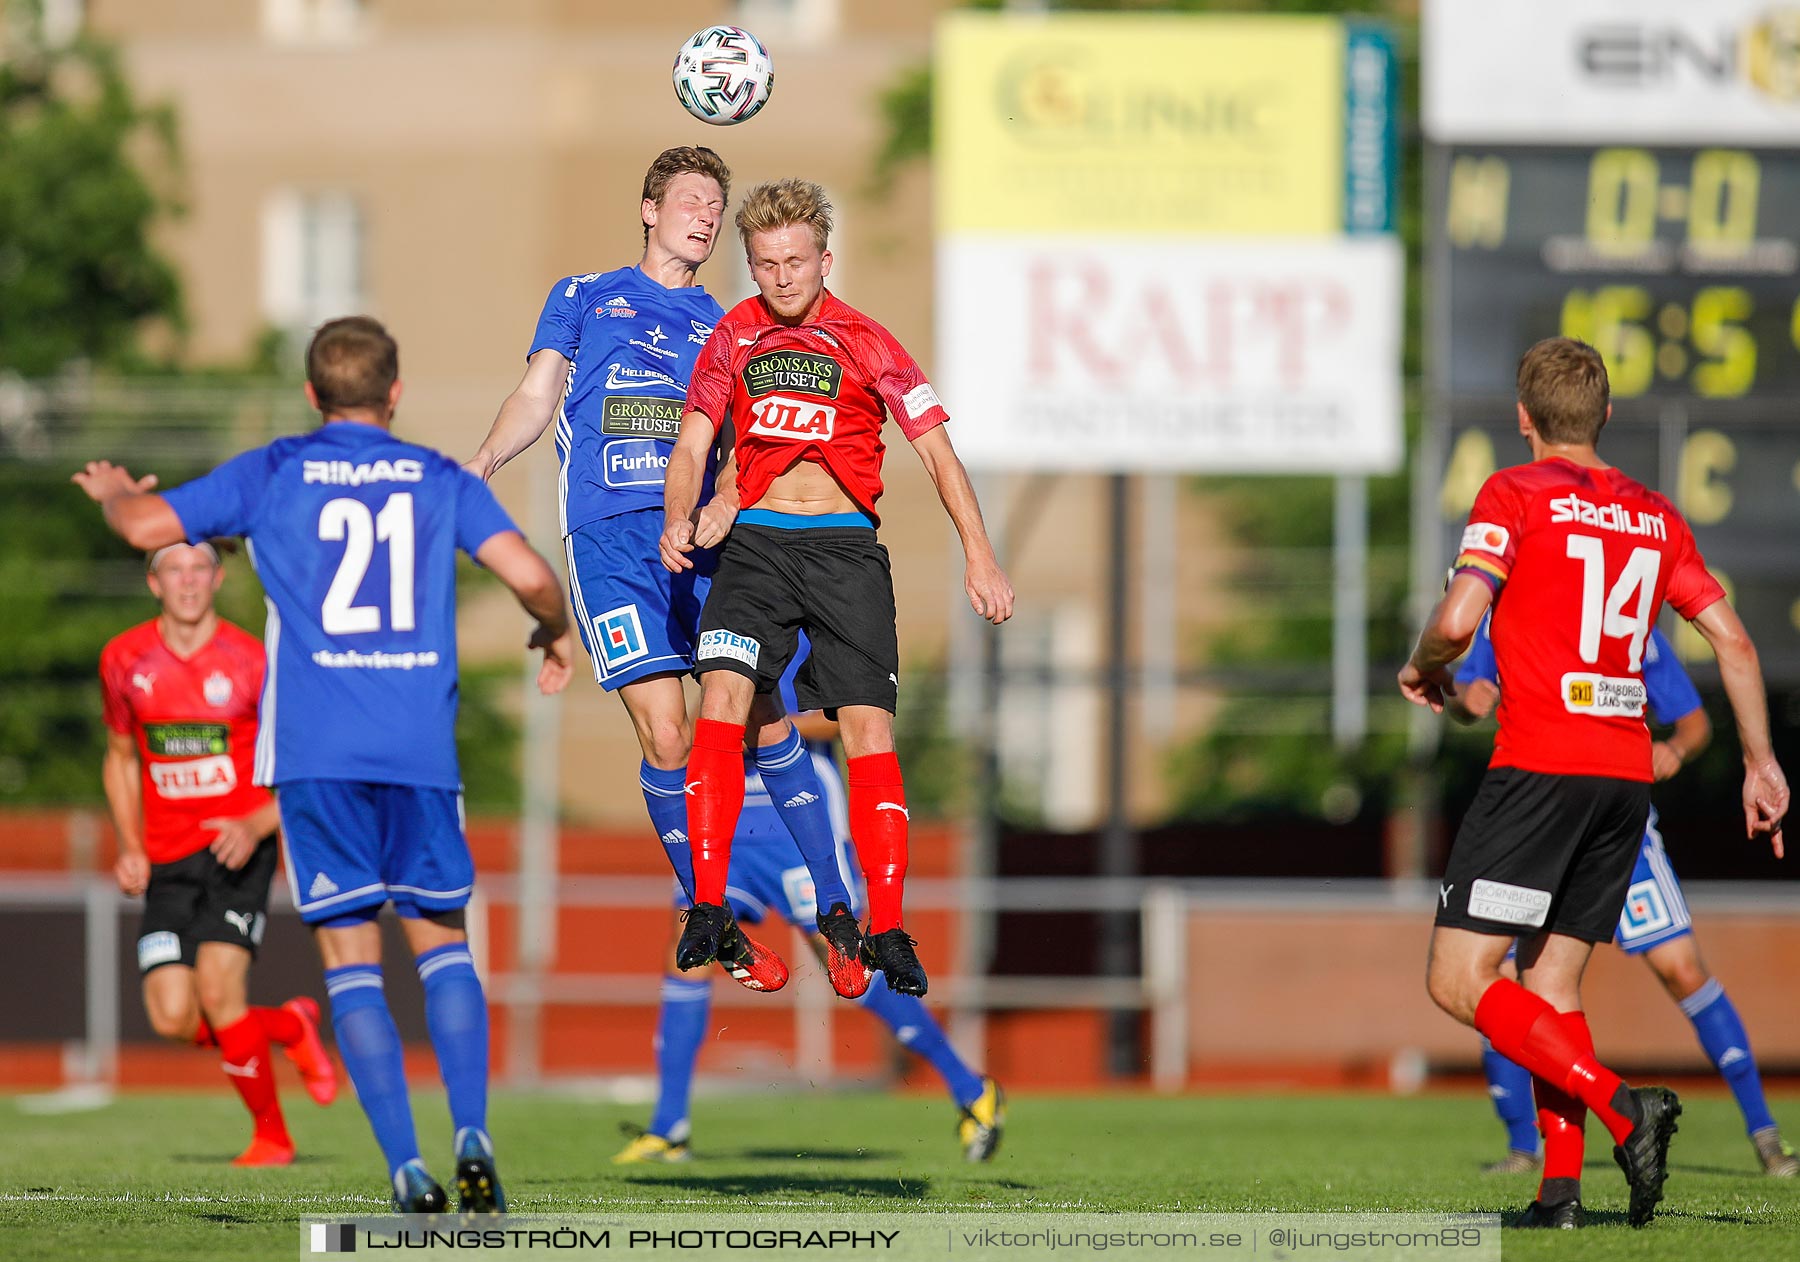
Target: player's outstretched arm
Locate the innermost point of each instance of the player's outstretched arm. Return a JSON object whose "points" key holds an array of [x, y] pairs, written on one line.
{"points": [[142, 519], [990, 592], [681, 490], [1765, 786], [525, 414], [530, 578], [119, 773], [1425, 679]]}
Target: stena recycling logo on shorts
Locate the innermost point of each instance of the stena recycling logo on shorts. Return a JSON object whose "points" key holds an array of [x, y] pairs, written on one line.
{"points": [[739, 648]]}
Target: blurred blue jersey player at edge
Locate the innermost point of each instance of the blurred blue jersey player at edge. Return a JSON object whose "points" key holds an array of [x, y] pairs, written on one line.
{"points": [[609, 363], [768, 877], [1654, 923], [354, 534]]}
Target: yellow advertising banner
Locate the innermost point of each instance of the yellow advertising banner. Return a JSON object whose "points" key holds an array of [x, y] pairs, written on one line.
{"points": [[1140, 124]]}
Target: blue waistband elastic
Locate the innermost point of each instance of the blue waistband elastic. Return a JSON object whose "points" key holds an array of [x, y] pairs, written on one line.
{"points": [[800, 521]]}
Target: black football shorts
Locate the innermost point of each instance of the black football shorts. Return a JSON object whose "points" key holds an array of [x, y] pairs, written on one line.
{"points": [[832, 582], [198, 899], [1542, 853]]}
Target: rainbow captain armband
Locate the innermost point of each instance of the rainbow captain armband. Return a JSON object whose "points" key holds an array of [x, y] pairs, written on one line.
{"points": [[1483, 553]]}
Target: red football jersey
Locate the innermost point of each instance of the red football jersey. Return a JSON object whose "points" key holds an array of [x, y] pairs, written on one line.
{"points": [[1581, 561], [815, 391], [195, 723]]}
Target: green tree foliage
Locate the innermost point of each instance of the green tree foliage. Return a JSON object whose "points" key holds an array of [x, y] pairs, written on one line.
{"points": [[85, 171], [86, 174]]}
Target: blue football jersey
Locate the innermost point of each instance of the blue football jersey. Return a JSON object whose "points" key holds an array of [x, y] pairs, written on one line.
{"points": [[1671, 693], [354, 534], [631, 344]]}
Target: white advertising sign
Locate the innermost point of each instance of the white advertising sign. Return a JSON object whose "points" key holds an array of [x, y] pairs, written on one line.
{"points": [[1575, 71], [1169, 354]]}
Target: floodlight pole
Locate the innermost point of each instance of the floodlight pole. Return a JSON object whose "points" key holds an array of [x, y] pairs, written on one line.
{"points": [[1118, 847], [1350, 611]]}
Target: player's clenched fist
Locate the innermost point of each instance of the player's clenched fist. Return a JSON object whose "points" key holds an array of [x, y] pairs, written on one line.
{"points": [[990, 593], [676, 542]]}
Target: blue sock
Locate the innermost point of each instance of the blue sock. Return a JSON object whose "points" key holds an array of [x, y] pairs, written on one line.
{"points": [[793, 784], [457, 1015], [915, 1027], [1728, 1047], [1509, 1085], [370, 1046], [665, 793], [681, 1024]]}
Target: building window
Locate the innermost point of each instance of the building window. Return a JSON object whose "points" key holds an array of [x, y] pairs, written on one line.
{"points": [[314, 21], [788, 21], [312, 258], [63, 21]]}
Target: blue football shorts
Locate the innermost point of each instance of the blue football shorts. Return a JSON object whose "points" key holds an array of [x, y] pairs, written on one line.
{"points": [[352, 845], [767, 873], [1655, 912], [635, 617]]}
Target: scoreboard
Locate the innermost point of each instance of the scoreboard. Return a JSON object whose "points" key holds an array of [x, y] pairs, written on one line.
{"points": [[1679, 262]]}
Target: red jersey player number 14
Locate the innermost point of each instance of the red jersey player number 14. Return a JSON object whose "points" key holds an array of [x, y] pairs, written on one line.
{"points": [[1602, 553]]}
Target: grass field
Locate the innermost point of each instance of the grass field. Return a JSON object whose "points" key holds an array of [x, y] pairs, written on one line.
{"points": [[147, 1177]]}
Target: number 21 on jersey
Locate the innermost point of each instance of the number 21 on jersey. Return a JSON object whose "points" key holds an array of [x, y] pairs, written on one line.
{"points": [[1603, 609], [349, 522]]}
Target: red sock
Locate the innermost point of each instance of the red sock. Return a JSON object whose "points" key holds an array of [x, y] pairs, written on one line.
{"points": [[1562, 1119], [878, 820], [1523, 1027], [715, 798], [281, 1026], [203, 1035], [244, 1049]]}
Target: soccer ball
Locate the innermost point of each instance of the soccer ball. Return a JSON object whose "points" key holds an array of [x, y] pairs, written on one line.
{"points": [[723, 75]]}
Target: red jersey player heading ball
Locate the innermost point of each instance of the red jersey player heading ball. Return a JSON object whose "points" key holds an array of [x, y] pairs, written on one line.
{"points": [[1576, 559], [806, 382]]}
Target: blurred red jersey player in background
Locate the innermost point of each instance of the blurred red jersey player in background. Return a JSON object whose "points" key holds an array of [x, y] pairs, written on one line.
{"points": [[197, 837]]}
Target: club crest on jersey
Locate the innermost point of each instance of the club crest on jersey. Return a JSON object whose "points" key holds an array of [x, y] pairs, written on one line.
{"points": [[217, 688], [620, 636], [1572, 508], [700, 334], [1484, 536], [794, 420]]}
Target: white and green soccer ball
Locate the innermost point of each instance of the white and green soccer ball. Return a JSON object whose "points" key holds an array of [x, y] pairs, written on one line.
{"points": [[723, 75]]}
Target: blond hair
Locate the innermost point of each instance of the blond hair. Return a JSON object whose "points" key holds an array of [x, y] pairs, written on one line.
{"points": [[783, 204], [1564, 390]]}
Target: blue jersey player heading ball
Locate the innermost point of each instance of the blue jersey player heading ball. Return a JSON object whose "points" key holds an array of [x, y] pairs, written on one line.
{"points": [[354, 534], [609, 363], [1654, 923]]}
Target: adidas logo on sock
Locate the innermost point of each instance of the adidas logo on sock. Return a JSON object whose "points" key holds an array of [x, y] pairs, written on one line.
{"points": [[674, 837], [321, 886], [802, 798], [1732, 1056]]}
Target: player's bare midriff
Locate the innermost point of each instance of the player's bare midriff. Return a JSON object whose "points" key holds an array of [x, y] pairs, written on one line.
{"points": [[808, 489]]}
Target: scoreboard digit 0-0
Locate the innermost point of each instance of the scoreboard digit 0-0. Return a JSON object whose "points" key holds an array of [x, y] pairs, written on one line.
{"points": [[1681, 266], [1669, 240]]}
